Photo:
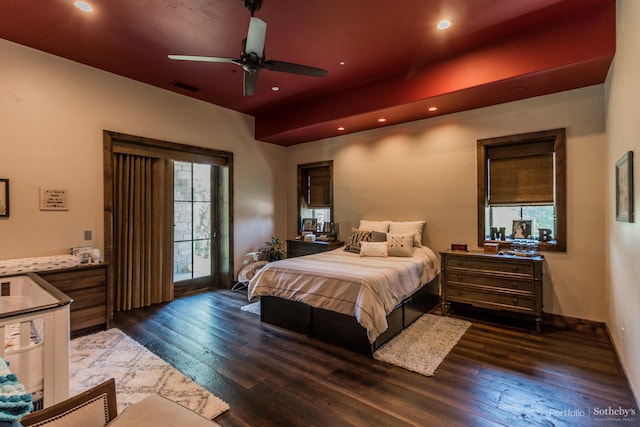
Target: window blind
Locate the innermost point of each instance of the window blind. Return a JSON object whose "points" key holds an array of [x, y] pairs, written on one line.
{"points": [[318, 191], [521, 174]]}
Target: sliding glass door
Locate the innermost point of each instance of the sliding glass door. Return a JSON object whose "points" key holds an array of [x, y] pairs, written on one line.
{"points": [[193, 222]]}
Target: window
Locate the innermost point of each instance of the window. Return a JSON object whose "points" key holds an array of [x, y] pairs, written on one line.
{"points": [[522, 189], [193, 222], [315, 194]]}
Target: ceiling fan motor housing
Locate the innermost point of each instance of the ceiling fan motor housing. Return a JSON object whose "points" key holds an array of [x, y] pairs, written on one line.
{"points": [[252, 5]]}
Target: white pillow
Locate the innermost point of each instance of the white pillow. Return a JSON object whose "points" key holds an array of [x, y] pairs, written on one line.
{"points": [[377, 249], [380, 226], [400, 244], [414, 227]]}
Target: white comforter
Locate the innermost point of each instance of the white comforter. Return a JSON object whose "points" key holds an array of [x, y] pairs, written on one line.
{"points": [[367, 288]]}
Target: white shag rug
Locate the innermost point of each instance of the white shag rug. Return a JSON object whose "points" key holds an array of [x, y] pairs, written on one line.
{"points": [[424, 344], [253, 308], [112, 354]]}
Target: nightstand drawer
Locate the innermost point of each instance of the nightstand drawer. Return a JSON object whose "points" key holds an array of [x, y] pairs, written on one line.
{"points": [[487, 298], [490, 265], [297, 248], [489, 281]]}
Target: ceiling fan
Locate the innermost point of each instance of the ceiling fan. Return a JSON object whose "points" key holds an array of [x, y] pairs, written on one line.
{"points": [[252, 58]]}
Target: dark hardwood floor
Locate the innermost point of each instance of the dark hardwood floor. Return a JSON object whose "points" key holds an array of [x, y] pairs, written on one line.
{"points": [[495, 376]]}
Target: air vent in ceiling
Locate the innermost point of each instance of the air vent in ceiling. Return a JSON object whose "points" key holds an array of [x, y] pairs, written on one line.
{"points": [[185, 86]]}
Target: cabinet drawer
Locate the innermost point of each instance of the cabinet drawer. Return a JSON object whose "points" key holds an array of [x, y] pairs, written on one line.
{"points": [[74, 280], [88, 317], [88, 298], [304, 250], [489, 281], [297, 248], [501, 266], [518, 302]]}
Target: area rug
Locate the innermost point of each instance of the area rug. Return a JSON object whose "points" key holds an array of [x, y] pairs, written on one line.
{"points": [[253, 308], [138, 372], [423, 345]]}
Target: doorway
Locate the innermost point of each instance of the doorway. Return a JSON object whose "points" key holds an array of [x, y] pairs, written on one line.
{"points": [[168, 220], [194, 216]]}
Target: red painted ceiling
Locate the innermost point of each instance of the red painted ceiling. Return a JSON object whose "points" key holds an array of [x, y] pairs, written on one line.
{"points": [[396, 63]]}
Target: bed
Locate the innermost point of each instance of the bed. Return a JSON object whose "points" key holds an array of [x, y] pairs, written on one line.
{"points": [[356, 302]]}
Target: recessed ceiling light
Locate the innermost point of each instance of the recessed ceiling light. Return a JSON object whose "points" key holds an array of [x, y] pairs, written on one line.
{"points": [[340, 128], [83, 6], [275, 88], [432, 109], [341, 62], [382, 120], [444, 24]]}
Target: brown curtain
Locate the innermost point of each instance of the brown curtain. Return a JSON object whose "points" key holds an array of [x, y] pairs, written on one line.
{"points": [[143, 225]]}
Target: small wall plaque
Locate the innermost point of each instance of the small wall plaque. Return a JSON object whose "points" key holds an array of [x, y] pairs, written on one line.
{"points": [[52, 199]]}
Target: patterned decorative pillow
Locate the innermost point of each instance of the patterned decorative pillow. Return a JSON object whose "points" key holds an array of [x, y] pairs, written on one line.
{"points": [[357, 236], [415, 227], [400, 244], [374, 249]]}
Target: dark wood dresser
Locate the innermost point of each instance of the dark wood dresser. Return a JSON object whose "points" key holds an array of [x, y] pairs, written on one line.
{"points": [[87, 286], [300, 247], [496, 282]]}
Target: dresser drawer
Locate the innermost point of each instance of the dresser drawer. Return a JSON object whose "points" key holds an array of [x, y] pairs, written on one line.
{"points": [[478, 296], [490, 265], [68, 281], [87, 286], [491, 281]]}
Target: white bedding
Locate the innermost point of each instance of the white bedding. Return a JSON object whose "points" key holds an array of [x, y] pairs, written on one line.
{"points": [[367, 288]]}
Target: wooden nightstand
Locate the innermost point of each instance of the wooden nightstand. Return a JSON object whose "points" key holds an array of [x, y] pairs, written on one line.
{"points": [[496, 282], [300, 247]]}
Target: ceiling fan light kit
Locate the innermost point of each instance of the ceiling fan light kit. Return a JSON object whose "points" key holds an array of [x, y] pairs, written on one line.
{"points": [[252, 59]]}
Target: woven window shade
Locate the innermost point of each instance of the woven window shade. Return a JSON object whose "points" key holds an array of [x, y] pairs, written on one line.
{"points": [[521, 175], [318, 187]]}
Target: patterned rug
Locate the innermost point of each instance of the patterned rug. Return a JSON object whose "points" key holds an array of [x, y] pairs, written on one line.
{"points": [[423, 346], [138, 372]]}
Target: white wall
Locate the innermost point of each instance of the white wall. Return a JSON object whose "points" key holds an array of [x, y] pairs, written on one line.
{"points": [[427, 170], [52, 114], [623, 239]]}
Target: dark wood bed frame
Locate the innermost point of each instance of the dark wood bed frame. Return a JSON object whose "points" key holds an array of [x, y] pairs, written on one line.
{"points": [[340, 329]]}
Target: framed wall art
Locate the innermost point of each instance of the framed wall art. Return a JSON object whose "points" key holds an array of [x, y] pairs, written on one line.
{"points": [[4, 198], [53, 199], [624, 188]]}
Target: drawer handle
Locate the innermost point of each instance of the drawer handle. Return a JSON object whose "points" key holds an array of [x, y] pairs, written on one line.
{"points": [[515, 285], [459, 293], [515, 301], [515, 268]]}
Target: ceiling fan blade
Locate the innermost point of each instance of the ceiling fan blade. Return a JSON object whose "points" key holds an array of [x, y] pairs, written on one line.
{"points": [[256, 37], [200, 58], [288, 67], [250, 81]]}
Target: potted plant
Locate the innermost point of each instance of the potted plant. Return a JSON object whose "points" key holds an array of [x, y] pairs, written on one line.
{"points": [[273, 250]]}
